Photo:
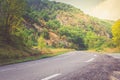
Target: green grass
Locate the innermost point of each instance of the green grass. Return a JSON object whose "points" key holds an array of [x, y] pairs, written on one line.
{"points": [[54, 52]]}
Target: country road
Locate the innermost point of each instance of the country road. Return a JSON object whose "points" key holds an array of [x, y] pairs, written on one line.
{"points": [[54, 68]]}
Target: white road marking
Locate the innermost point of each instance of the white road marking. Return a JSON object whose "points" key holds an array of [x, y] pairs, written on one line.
{"points": [[95, 55], [90, 60], [7, 69], [52, 76]]}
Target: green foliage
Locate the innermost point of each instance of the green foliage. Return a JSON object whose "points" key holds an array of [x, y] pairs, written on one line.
{"points": [[107, 25], [32, 15], [53, 24], [83, 34], [50, 5], [74, 35], [92, 41], [69, 26], [109, 44], [43, 15], [26, 35], [46, 33], [89, 27], [116, 33], [81, 31], [41, 43], [11, 12]]}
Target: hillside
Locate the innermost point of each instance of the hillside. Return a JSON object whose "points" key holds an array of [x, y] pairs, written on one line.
{"points": [[32, 27], [73, 28]]}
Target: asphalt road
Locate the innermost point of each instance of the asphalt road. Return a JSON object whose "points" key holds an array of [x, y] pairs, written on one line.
{"points": [[115, 55], [49, 68]]}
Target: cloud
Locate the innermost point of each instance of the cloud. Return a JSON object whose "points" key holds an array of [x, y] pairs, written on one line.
{"points": [[108, 9]]}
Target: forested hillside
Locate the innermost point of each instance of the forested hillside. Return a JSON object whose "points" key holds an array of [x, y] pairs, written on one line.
{"points": [[63, 25], [27, 26]]}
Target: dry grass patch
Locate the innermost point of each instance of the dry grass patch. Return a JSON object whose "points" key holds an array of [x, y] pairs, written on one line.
{"points": [[112, 50], [60, 50]]}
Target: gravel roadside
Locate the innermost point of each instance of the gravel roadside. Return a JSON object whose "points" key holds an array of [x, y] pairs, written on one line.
{"points": [[103, 68]]}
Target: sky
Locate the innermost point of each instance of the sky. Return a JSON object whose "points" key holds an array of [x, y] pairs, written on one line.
{"points": [[104, 9]]}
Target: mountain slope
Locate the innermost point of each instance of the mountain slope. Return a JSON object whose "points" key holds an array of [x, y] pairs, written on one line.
{"points": [[48, 24], [73, 28]]}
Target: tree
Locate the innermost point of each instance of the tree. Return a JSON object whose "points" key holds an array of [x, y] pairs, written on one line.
{"points": [[53, 24], [90, 39], [11, 12], [116, 33], [41, 42]]}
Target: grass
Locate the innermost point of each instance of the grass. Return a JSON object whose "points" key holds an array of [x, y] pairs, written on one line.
{"points": [[60, 50], [54, 52], [10, 55], [106, 50], [112, 50]]}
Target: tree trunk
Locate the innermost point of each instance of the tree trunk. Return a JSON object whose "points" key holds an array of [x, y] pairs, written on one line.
{"points": [[7, 35]]}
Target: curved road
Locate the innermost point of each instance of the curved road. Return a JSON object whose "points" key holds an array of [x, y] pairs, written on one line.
{"points": [[49, 68]]}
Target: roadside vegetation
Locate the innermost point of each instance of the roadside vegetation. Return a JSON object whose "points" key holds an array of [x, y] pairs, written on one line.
{"points": [[33, 29], [116, 33], [11, 58]]}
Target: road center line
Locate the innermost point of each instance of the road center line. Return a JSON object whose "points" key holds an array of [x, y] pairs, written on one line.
{"points": [[95, 55], [7, 69], [90, 60], [52, 76]]}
